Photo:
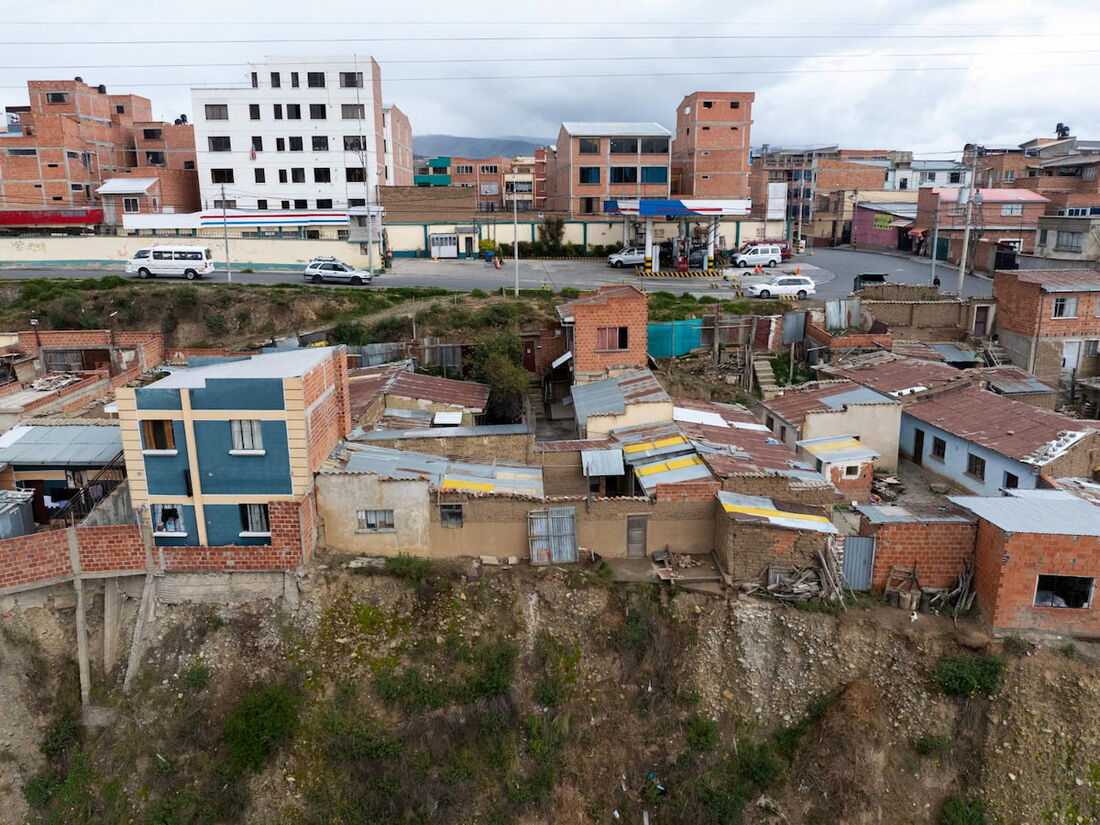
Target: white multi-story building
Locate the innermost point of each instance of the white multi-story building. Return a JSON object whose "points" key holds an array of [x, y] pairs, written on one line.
{"points": [[306, 134]]}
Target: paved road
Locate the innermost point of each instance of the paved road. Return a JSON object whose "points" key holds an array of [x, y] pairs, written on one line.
{"points": [[832, 270]]}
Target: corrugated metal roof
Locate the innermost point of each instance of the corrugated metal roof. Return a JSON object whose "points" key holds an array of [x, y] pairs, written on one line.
{"points": [[671, 470], [912, 514], [440, 472], [440, 432], [1061, 280], [764, 510], [646, 441], [893, 374], [794, 404], [953, 354], [993, 195], [1009, 380], [287, 363], [1012, 428], [469, 395], [575, 445], [76, 445], [902, 210], [602, 462], [610, 128], [837, 448], [1059, 515], [610, 396], [125, 186]]}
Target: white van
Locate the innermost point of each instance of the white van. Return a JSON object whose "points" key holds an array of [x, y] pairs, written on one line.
{"points": [[190, 262], [758, 255]]}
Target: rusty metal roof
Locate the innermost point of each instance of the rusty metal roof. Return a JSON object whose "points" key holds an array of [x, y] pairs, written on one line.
{"points": [[794, 404], [1014, 429], [1007, 379], [1061, 280], [611, 395], [600, 296], [367, 383], [893, 374]]}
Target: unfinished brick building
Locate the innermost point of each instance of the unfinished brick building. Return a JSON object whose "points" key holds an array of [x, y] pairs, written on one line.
{"points": [[606, 331]]}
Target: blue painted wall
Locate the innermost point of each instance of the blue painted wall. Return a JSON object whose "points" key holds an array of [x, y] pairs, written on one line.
{"points": [[223, 526], [187, 513], [151, 398], [953, 466], [223, 473], [238, 394], [164, 473]]}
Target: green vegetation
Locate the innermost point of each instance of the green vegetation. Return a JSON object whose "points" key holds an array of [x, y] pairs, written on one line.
{"points": [[197, 677], [560, 665], [962, 811], [1015, 646], [969, 676], [788, 739], [701, 733], [666, 306], [929, 744], [264, 718], [1069, 650], [495, 360]]}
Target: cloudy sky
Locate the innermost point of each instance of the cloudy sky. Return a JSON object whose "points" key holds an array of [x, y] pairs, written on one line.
{"points": [[926, 75]]}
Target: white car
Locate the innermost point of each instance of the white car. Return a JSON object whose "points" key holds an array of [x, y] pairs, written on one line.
{"points": [[797, 285], [758, 255], [627, 256], [320, 270]]}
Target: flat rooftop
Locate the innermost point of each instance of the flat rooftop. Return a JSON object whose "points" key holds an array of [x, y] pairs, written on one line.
{"points": [[1050, 512], [290, 363]]}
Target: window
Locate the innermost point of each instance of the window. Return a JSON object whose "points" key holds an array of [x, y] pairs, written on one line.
{"points": [[157, 435], [1088, 173], [278, 110], [1064, 591], [707, 104], [624, 146], [1012, 209], [318, 111], [1065, 308], [588, 146], [282, 179], [152, 134], [589, 174], [276, 81], [851, 471], [130, 205], [30, 153], [351, 80], [247, 435], [769, 422], [903, 183], [253, 111], [322, 175], [612, 338], [261, 204], [353, 202], [257, 143], [373, 521], [954, 177], [219, 144], [324, 203], [293, 111], [355, 174], [217, 111], [450, 515], [230, 204], [624, 174], [352, 111], [1010, 176], [735, 104], [1012, 481], [295, 143], [167, 520], [284, 204], [975, 466], [315, 80], [254, 520], [255, 80], [298, 176], [294, 79], [464, 169], [355, 143], [931, 176], [1069, 241], [300, 203], [57, 97], [221, 175], [1042, 237], [489, 169], [1090, 348], [939, 449], [320, 143], [654, 174], [280, 144]]}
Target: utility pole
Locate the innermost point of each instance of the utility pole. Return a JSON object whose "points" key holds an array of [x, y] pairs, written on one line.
{"points": [[225, 237], [935, 239], [515, 235], [972, 195]]}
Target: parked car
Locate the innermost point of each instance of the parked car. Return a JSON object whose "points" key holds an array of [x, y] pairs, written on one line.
{"points": [[784, 247], [865, 278], [627, 256], [758, 255], [190, 262], [324, 269], [797, 285]]}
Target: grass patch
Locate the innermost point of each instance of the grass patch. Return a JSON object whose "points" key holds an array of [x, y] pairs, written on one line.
{"points": [[1068, 650], [701, 733], [263, 719], [930, 744], [969, 676], [958, 810], [787, 740], [197, 677], [1015, 647]]}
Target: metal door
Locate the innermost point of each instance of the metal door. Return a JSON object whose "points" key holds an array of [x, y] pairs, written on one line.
{"points": [[859, 560], [1071, 356], [636, 536], [529, 356], [552, 535], [981, 321], [443, 246], [918, 446], [469, 246]]}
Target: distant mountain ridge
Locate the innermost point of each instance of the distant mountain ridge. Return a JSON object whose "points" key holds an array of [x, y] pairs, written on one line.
{"points": [[430, 146]]}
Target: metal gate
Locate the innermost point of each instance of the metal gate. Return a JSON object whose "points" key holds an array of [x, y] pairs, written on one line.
{"points": [[443, 246], [859, 558], [636, 536], [552, 535]]}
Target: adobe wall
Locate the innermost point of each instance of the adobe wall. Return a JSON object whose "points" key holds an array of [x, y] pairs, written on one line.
{"points": [[746, 551], [518, 447], [562, 474], [782, 488]]}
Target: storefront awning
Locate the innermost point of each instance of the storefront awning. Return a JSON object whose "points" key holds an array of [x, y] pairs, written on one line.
{"points": [[917, 231], [900, 223]]}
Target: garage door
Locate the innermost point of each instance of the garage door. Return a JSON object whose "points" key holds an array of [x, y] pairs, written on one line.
{"points": [[443, 246]]}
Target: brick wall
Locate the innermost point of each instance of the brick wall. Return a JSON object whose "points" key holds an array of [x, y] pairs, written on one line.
{"points": [[115, 547], [37, 557], [687, 491], [854, 488], [839, 174], [858, 340], [629, 311], [329, 420], [1008, 569], [938, 549]]}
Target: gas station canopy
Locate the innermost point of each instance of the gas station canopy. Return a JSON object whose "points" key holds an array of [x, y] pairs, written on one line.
{"points": [[664, 208]]}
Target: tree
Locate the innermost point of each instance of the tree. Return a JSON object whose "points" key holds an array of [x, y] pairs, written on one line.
{"points": [[552, 230], [495, 360]]}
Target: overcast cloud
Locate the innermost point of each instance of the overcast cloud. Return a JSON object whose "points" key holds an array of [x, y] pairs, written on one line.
{"points": [[987, 71]]}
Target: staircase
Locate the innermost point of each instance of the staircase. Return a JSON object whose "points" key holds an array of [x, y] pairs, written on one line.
{"points": [[995, 355], [765, 378]]}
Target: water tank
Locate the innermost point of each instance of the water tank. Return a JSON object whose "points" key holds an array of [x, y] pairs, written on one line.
{"points": [[102, 89]]}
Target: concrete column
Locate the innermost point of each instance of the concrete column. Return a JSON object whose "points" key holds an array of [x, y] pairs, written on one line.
{"points": [[81, 623], [650, 264], [111, 618], [712, 237]]}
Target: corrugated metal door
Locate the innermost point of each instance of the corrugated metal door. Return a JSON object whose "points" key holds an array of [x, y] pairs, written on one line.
{"points": [[552, 535], [636, 536], [859, 558]]}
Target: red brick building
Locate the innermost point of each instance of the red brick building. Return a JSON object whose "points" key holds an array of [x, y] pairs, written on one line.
{"points": [[606, 331], [1049, 321], [936, 541], [710, 151]]}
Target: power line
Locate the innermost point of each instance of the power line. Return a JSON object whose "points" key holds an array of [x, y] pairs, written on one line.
{"points": [[481, 23]]}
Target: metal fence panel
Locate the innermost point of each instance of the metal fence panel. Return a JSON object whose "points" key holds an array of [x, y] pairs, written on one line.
{"points": [[859, 558], [552, 535]]}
